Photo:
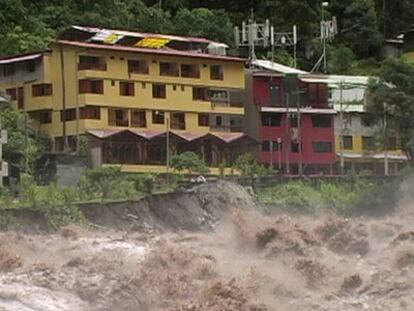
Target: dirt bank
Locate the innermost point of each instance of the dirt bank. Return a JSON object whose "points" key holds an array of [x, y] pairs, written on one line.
{"points": [[198, 208], [248, 261]]}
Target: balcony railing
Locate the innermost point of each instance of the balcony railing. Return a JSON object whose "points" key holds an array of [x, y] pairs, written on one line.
{"points": [[138, 123], [118, 122], [178, 125], [225, 103], [92, 66]]}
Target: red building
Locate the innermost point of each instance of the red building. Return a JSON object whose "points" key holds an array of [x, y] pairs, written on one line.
{"points": [[293, 121]]}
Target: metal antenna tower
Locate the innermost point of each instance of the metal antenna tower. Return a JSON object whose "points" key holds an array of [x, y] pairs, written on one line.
{"points": [[253, 34]]}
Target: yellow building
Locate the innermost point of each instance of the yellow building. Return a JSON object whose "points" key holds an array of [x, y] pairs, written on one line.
{"points": [[130, 94]]}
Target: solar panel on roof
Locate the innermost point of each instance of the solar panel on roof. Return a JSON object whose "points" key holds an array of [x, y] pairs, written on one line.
{"points": [[154, 43]]}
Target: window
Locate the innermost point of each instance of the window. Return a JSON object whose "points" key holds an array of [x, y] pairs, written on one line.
{"points": [[293, 121], [178, 121], [219, 95], [201, 93], [347, 142], [321, 121], [268, 145], [392, 143], [138, 66], [322, 147], [274, 95], [12, 93], [317, 92], [8, 70], [118, 117], [219, 121], [138, 118], [90, 112], [43, 89], [157, 117], [45, 116], [87, 62], [294, 147], [203, 119], [31, 66], [216, 72], [68, 114], [368, 143], [159, 91], [91, 86], [20, 98], [126, 88], [190, 71], [271, 119], [169, 69]]}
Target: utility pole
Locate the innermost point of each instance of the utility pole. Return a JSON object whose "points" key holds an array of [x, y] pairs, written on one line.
{"points": [[271, 154], [167, 142], [386, 168], [279, 153], [298, 118], [324, 4], [287, 136], [341, 132]]}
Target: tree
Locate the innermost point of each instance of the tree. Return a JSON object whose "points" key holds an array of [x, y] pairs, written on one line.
{"points": [[342, 58], [25, 146], [188, 161], [201, 22], [392, 98], [360, 28]]}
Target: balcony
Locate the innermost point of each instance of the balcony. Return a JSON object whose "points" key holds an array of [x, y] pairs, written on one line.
{"points": [[177, 125], [91, 66]]}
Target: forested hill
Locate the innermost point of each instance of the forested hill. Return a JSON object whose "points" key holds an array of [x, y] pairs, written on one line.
{"points": [[27, 25]]}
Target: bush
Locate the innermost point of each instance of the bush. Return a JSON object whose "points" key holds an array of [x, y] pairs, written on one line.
{"points": [[188, 161], [344, 197]]}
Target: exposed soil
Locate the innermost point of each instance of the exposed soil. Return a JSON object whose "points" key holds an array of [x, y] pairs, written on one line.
{"points": [[225, 255]]}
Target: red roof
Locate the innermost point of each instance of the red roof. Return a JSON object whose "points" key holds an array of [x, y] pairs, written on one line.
{"points": [[149, 51], [225, 137]]}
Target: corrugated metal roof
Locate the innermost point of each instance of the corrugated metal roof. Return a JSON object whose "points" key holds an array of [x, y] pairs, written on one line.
{"points": [[336, 79], [141, 34], [374, 156], [272, 66], [150, 51], [307, 110], [19, 58]]}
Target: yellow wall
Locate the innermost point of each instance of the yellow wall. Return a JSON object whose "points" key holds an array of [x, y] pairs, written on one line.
{"points": [[357, 146], [117, 70]]}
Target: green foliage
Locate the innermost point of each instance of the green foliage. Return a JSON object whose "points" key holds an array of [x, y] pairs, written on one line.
{"points": [[248, 166], [292, 195], [143, 183], [222, 169], [348, 196], [21, 150], [202, 22], [57, 204], [29, 25], [395, 87], [104, 183], [188, 161], [342, 59]]}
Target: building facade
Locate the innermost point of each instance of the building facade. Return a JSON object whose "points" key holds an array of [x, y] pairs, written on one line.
{"points": [[293, 121], [128, 95], [359, 148]]}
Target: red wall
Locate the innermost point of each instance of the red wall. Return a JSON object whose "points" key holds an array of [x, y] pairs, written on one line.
{"points": [[308, 133]]}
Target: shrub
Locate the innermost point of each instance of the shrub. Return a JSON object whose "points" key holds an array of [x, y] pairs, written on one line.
{"points": [[188, 161]]}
